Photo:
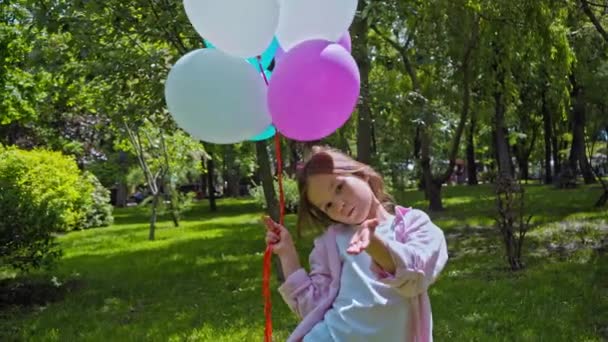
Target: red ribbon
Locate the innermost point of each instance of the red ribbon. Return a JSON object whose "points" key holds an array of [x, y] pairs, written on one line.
{"points": [[268, 253]]}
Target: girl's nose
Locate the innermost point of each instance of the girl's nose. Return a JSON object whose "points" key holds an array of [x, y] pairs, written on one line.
{"points": [[342, 207]]}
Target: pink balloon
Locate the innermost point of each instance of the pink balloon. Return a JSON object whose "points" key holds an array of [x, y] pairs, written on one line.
{"points": [[279, 54], [344, 40], [314, 90]]}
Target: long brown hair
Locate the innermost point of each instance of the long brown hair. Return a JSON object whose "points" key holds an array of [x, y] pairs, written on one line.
{"points": [[326, 160]]}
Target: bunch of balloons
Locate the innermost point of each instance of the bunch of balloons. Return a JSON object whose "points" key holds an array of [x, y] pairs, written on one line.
{"points": [[218, 94]]}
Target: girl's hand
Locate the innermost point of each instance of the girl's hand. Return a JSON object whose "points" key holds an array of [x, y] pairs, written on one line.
{"points": [[278, 237], [361, 239]]}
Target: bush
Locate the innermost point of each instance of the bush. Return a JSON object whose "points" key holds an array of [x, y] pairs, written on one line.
{"points": [[99, 212], [41, 193], [290, 189], [488, 176]]}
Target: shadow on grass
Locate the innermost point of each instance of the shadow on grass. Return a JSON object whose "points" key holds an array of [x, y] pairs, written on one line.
{"points": [[156, 294], [200, 211], [563, 301], [475, 206]]}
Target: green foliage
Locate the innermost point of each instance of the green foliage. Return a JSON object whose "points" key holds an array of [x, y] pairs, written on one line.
{"points": [[111, 170], [176, 201], [20, 87], [488, 176], [41, 193], [290, 189], [176, 155], [99, 213]]}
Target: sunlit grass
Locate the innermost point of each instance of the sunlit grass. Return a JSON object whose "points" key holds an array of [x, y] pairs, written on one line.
{"points": [[201, 281]]}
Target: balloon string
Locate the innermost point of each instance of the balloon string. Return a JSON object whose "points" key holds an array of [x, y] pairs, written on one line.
{"points": [[268, 253]]}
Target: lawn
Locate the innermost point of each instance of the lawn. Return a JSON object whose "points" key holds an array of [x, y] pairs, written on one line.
{"points": [[201, 281]]}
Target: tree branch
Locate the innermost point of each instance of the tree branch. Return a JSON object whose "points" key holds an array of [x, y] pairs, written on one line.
{"points": [[403, 52], [174, 39], [136, 143], [597, 5], [466, 100], [594, 20]]}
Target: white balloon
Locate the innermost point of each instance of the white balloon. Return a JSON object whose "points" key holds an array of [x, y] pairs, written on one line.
{"points": [[216, 97], [242, 28], [302, 20]]}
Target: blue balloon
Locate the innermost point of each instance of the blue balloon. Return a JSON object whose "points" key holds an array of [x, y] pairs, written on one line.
{"points": [[268, 74], [266, 57], [268, 133]]}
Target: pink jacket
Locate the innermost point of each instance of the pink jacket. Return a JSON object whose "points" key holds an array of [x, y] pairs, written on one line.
{"points": [[419, 252]]}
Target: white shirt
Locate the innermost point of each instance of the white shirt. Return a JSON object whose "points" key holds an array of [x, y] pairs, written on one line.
{"points": [[365, 308]]}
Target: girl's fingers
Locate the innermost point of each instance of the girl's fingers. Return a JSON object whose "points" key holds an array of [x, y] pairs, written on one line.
{"points": [[272, 236], [269, 223], [353, 250]]}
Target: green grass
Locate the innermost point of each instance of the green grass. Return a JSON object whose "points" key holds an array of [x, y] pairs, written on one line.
{"points": [[201, 282]]}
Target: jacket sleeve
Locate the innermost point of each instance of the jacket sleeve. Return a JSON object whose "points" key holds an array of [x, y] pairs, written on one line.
{"points": [[303, 291], [419, 252]]}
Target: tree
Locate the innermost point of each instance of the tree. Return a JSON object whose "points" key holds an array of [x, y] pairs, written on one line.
{"points": [[361, 55], [458, 55], [165, 160], [586, 7]]}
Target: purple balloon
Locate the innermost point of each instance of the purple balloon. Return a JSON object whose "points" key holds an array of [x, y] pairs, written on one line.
{"points": [[279, 54], [344, 40], [314, 90]]}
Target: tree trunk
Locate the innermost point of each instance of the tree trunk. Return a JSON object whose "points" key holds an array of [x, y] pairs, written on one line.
{"points": [[523, 152], [343, 142], [435, 199], [272, 204], [432, 188], [604, 197], [122, 191], [203, 179], [471, 163], [548, 135], [211, 183], [175, 217], [557, 162], [173, 203], [501, 146], [155, 199], [524, 169], [121, 195], [577, 150], [231, 172], [503, 157], [293, 157], [360, 53], [267, 180]]}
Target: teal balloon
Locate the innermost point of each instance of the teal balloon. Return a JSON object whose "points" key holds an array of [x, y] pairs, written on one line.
{"points": [[266, 57], [268, 74], [268, 133]]}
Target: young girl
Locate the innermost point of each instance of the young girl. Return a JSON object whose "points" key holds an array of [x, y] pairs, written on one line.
{"points": [[370, 270]]}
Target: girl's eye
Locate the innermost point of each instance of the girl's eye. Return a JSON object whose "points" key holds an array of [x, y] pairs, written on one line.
{"points": [[339, 188], [327, 206]]}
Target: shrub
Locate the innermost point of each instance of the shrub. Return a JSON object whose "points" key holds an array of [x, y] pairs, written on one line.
{"points": [[41, 193], [99, 212], [290, 189]]}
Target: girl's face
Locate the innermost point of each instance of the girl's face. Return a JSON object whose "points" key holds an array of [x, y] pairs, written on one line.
{"points": [[344, 198]]}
